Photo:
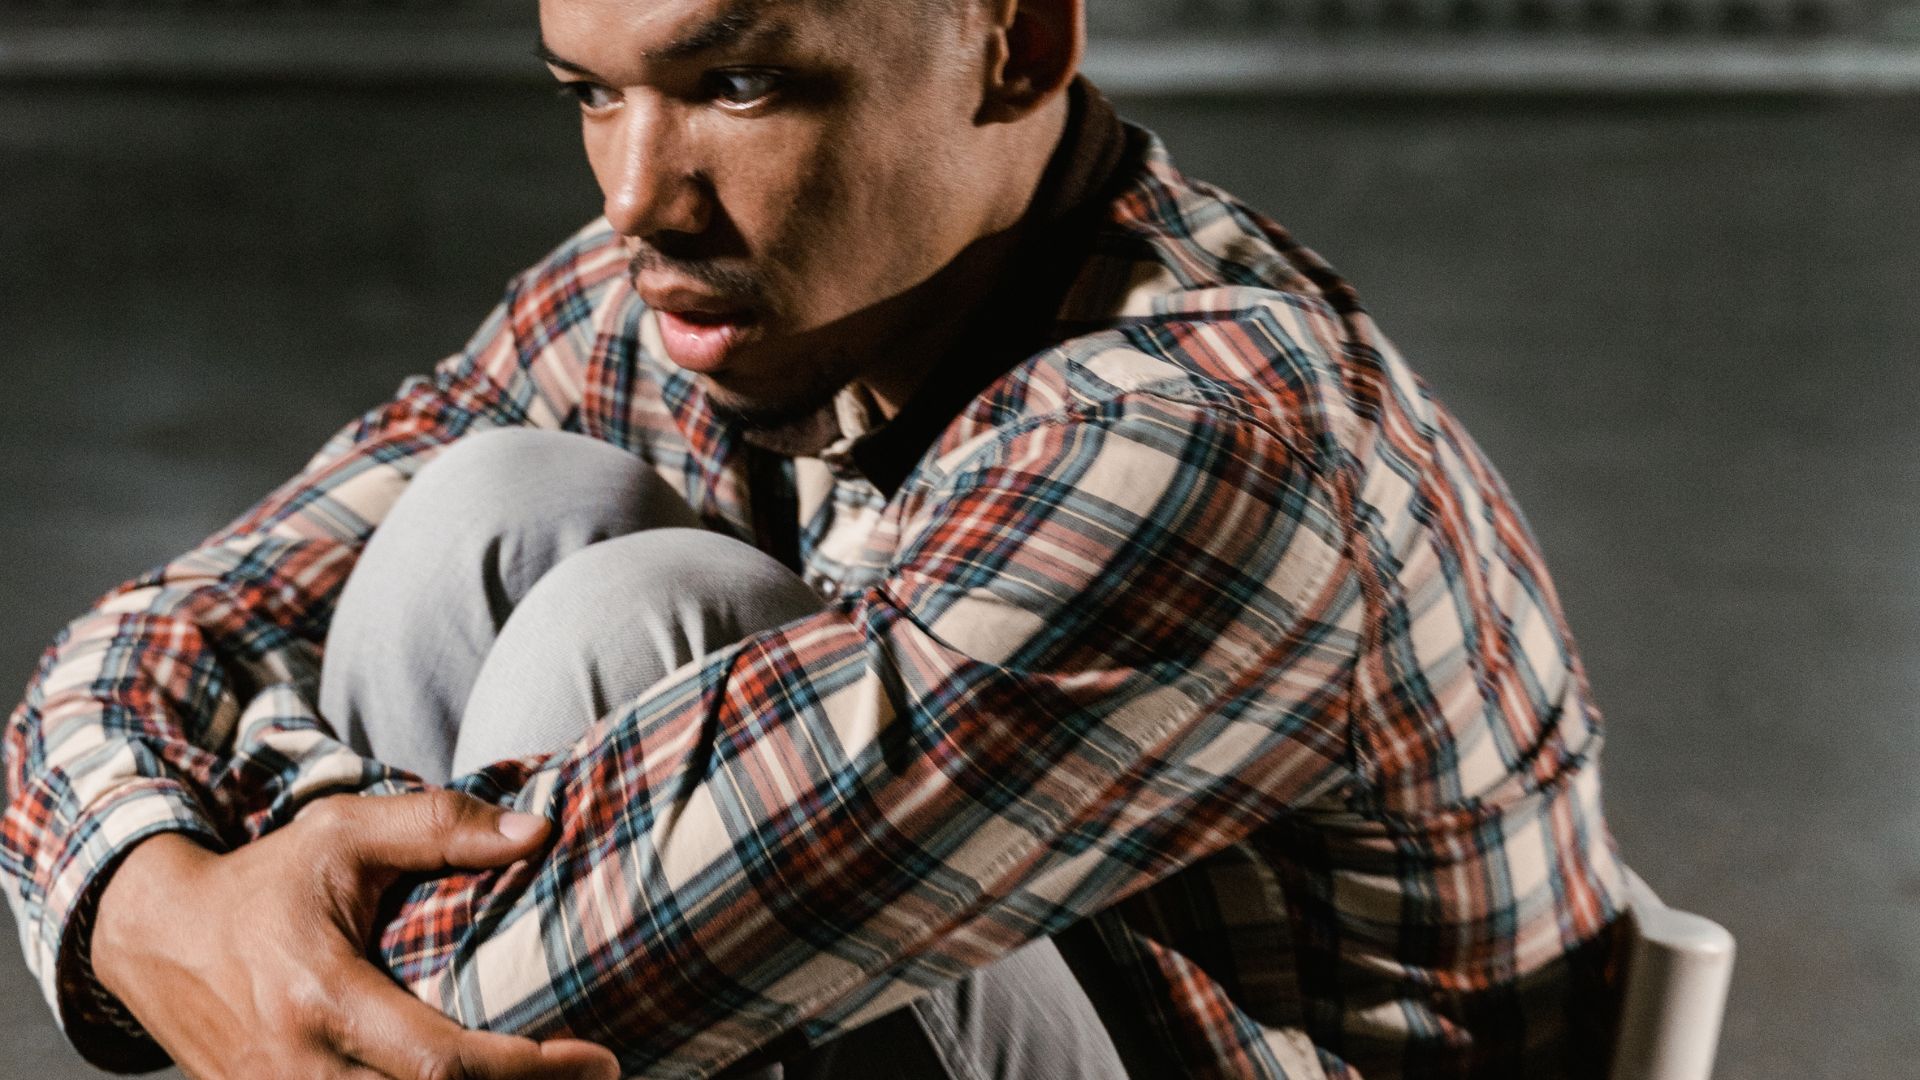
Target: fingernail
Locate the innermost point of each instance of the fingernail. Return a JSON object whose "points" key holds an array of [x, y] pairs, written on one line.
{"points": [[517, 826]]}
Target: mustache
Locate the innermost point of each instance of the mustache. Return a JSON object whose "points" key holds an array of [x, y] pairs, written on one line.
{"points": [[728, 282]]}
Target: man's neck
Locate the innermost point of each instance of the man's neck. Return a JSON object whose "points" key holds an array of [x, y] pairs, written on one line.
{"points": [[952, 300]]}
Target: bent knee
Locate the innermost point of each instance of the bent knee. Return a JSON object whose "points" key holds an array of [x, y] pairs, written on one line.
{"points": [[679, 573], [511, 481], [672, 561], [508, 470]]}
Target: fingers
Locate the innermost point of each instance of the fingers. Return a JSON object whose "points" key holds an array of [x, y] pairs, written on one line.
{"points": [[563, 1060], [577, 1058], [388, 1030], [559, 1059], [428, 832]]}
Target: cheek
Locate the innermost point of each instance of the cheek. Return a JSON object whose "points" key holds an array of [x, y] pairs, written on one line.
{"points": [[840, 212], [906, 220], [915, 207], [785, 194], [799, 205], [875, 223]]}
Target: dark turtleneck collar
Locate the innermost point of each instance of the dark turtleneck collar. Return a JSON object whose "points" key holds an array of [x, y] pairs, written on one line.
{"points": [[1018, 317]]}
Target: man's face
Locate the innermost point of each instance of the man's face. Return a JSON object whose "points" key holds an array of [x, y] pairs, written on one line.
{"points": [[783, 173]]}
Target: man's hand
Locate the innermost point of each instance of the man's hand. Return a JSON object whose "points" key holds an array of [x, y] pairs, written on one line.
{"points": [[252, 965]]}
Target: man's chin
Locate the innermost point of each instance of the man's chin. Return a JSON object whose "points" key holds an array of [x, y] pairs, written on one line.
{"points": [[756, 410], [799, 425], [764, 392]]}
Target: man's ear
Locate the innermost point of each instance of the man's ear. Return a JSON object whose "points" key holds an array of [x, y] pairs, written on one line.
{"points": [[1033, 53]]}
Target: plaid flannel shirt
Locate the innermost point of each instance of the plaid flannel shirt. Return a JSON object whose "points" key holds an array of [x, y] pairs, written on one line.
{"points": [[1201, 636]]}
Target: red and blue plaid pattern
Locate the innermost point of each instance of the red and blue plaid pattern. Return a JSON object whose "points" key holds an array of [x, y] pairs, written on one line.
{"points": [[1204, 630]]}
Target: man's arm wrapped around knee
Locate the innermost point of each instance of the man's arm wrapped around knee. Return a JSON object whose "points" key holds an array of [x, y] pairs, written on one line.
{"points": [[1035, 714], [183, 701]]}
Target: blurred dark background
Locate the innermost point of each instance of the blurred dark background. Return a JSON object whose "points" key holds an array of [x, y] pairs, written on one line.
{"points": [[1663, 256]]}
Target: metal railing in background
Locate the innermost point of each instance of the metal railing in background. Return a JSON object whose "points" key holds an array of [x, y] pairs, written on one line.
{"points": [[1124, 18], [1148, 46], [1573, 46]]}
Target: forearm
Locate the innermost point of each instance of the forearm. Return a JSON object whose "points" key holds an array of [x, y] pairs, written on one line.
{"points": [[151, 872]]}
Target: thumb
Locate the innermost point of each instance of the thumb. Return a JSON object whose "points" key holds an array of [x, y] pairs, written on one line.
{"points": [[429, 831], [583, 1059]]}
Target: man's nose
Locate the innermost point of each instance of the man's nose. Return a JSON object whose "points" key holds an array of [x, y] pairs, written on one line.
{"points": [[654, 186]]}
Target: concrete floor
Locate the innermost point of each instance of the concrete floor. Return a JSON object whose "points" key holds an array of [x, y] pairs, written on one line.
{"points": [[1683, 327]]}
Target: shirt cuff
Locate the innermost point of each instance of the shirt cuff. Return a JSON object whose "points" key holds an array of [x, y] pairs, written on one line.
{"points": [[95, 1022]]}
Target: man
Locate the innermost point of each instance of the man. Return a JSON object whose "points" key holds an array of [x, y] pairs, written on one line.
{"points": [[1090, 643]]}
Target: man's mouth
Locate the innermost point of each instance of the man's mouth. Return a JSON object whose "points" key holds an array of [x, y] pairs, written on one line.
{"points": [[699, 332], [699, 341]]}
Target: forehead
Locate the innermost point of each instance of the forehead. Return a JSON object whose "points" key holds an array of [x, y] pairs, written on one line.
{"points": [[631, 33]]}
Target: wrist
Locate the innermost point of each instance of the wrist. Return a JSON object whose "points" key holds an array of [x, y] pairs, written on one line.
{"points": [[124, 923]]}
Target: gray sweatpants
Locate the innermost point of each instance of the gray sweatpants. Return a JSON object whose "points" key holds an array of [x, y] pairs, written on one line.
{"points": [[528, 582]]}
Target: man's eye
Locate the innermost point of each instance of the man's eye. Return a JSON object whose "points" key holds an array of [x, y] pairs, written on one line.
{"points": [[590, 96], [742, 88]]}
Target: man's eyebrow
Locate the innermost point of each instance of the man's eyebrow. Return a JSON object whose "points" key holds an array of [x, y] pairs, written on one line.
{"points": [[549, 56]]}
